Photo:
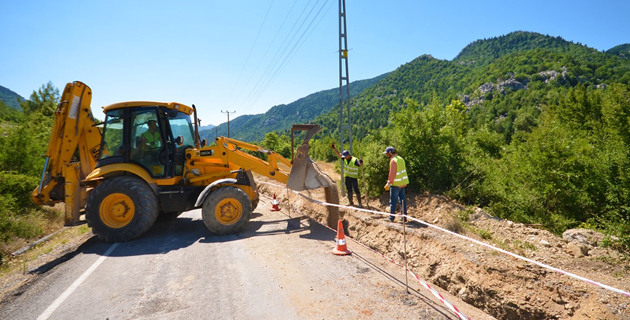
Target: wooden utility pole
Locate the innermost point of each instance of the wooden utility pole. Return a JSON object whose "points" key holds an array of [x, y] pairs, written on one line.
{"points": [[228, 116]]}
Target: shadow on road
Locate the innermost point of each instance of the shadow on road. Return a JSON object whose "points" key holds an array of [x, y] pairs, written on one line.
{"points": [[182, 232]]}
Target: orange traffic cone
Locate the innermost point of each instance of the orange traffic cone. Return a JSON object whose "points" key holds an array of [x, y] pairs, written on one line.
{"points": [[341, 249], [274, 204]]}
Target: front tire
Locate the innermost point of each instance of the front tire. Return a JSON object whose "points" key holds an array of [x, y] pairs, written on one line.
{"points": [[226, 210], [255, 203], [121, 209]]}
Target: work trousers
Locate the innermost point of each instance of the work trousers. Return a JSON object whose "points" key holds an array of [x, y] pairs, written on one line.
{"points": [[352, 183], [396, 194]]}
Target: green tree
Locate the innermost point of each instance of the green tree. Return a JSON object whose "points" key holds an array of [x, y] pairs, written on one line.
{"points": [[21, 151], [24, 145], [431, 141], [7, 113], [277, 143], [320, 149], [43, 101]]}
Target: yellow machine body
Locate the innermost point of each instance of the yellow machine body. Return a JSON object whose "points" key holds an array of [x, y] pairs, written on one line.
{"points": [[146, 160]]}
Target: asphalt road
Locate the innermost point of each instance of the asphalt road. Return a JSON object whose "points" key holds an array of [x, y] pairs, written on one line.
{"points": [[279, 267]]}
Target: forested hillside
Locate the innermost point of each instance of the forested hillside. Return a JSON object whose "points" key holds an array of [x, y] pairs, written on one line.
{"points": [[281, 117], [531, 127], [622, 50], [495, 78], [10, 98], [9, 105], [207, 127]]}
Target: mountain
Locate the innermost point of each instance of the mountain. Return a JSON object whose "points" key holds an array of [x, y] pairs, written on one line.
{"points": [[494, 77], [208, 127], [485, 51], [10, 98], [622, 50], [281, 117]]}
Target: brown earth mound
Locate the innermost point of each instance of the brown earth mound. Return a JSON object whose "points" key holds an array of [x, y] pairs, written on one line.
{"points": [[503, 286]]}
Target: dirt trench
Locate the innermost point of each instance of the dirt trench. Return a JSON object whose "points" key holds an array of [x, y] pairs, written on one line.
{"points": [[500, 285]]}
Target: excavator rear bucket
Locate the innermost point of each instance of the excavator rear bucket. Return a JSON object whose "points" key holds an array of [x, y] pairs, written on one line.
{"points": [[304, 174]]}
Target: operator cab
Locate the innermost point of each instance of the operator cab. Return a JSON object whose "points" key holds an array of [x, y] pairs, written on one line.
{"points": [[153, 135]]}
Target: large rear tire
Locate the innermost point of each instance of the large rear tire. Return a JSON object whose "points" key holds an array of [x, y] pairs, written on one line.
{"points": [[121, 209], [226, 210]]}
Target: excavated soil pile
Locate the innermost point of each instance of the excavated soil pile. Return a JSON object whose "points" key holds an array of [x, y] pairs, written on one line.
{"points": [[501, 285]]}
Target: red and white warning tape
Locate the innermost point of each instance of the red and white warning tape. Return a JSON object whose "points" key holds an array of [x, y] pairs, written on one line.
{"points": [[423, 283], [575, 276]]}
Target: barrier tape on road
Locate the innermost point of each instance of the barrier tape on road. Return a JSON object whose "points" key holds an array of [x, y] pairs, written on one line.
{"points": [[434, 292], [560, 271]]}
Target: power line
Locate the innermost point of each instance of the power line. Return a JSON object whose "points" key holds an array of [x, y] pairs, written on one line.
{"points": [[270, 77], [277, 56], [281, 57], [250, 51], [269, 47], [292, 53]]}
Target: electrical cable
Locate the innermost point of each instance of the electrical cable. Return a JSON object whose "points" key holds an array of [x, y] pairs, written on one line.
{"points": [[281, 58], [250, 51]]}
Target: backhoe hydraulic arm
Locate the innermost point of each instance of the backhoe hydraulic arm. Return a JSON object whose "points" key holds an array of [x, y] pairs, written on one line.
{"points": [[72, 151], [228, 156], [267, 168]]}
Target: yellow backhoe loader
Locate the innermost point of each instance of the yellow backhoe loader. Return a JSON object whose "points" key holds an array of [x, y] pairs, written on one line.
{"points": [[146, 160]]}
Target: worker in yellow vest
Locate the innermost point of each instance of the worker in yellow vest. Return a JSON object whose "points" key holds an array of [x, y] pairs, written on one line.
{"points": [[150, 145], [397, 181], [150, 139], [350, 174]]}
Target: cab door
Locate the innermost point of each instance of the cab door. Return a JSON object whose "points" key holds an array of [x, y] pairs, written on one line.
{"points": [[181, 133], [148, 141]]}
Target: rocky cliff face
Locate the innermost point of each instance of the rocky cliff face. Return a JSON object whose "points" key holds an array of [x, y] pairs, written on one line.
{"points": [[502, 87], [553, 74]]}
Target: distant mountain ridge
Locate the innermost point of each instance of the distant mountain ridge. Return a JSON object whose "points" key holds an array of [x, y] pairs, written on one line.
{"points": [[495, 78], [281, 117], [487, 50], [622, 50], [10, 98], [207, 127]]}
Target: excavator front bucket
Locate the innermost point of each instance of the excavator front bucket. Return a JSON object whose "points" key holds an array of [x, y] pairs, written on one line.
{"points": [[304, 174]]}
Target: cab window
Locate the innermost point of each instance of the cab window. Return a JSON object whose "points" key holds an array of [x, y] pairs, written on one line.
{"points": [[112, 135]]}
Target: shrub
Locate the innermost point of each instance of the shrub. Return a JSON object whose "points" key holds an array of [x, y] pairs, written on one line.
{"points": [[16, 190]]}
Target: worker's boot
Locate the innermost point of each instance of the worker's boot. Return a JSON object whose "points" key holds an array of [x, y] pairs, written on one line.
{"points": [[350, 203], [359, 200]]}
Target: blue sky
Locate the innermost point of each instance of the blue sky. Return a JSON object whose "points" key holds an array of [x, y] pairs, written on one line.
{"points": [[247, 56]]}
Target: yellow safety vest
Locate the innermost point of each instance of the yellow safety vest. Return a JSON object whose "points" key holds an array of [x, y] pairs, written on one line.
{"points": [[351, 169], [155, 137], [401, 178]]}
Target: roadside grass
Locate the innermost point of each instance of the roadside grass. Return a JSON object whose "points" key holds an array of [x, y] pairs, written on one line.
{"points": [[22, 230], [35, 256]]}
